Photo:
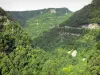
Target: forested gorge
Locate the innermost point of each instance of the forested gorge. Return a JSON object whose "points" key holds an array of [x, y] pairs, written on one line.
{"points": [[51, 42]]}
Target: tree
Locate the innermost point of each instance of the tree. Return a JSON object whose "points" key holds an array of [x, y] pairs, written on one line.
{"points": [[93, 64]]}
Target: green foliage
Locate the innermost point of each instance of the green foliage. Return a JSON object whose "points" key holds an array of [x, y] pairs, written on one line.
{"points": [[23, 16], [44, 22], [93, 65], [89, 14], [11, 36], [96, 2], [50, 52]]}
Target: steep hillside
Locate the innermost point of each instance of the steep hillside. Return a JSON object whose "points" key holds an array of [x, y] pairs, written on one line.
{"points": [[60, 50], [84, 41], [23, 16], [46, 21], [89, 14], [11, 38], [38, 21], [9, 31]]}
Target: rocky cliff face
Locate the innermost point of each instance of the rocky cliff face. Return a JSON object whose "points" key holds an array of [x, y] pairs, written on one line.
{"points": [[91, 26]]}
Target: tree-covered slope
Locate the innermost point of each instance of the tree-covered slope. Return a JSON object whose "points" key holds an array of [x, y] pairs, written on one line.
{"points": [[60, 42], [75, 38], [38, 21], [37, 26], [12, 37], [23, 16], [88, 14], [62, 50]]}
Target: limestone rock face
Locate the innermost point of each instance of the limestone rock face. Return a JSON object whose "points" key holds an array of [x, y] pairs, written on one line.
{"points": [[91, 26], [52, 10]]}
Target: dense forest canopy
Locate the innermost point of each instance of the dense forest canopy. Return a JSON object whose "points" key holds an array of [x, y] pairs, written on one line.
{"points": [[89, 14], [54, 44], [39, 21]]}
